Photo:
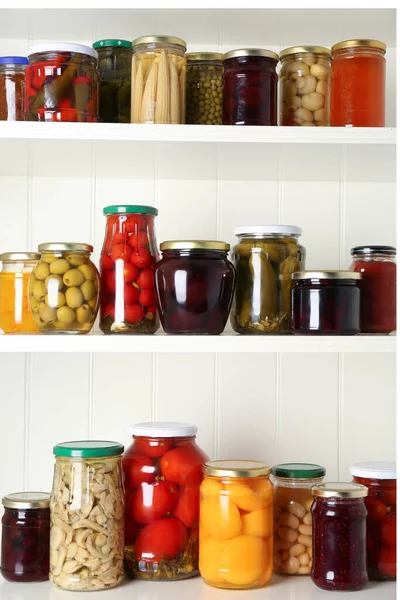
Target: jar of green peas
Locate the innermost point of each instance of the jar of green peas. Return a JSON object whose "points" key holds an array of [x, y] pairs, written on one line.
{"points": [[204, 88]]}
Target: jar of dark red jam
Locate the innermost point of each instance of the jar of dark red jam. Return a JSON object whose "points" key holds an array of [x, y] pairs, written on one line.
{"points": [[326, 303], [380, 479], [250, 86], [377, 264], [25, 538], [194, 284], [339, 536]]}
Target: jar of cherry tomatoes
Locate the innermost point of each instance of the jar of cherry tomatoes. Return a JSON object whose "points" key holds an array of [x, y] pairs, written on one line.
{"points": [[380, 479], [15, 313], [128, 258], [162, 472], [25, 543]]}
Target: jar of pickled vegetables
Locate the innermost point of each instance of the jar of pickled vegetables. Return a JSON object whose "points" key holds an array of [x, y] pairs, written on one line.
{"points": [[12, 87], [115, 58], [25, 537], [158, 80], [15, 313], [339, 536], [380, 479], [128, 259], [62, 83], [265, 257], [64, 289], [162, 472], [204, 88], [304, 85], [292, 516]]}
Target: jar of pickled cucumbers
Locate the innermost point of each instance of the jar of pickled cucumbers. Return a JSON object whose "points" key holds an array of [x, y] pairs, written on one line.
{"points": [[115, 58], [236, 524], [158, 80], [292, 517], [204, 88], [265, 257], [15, 314], [64, 289]]}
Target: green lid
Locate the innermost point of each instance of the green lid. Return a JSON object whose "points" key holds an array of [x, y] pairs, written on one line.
{"points": [[112, 43], [298, 470], [130, 209], [88, 449]]}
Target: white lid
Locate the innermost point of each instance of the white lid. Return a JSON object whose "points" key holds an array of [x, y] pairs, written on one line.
{"points": [[62, 47], [164, 429], [380, 469], [268, 230]]}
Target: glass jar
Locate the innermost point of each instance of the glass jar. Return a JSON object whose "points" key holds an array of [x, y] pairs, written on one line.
{"points": [[12, 87], [250, 87], [339, 536], [64, 289], [236, 524], [380, 479], [87, 516], [265, 257], [62, 83], [15, 313], [304, 86], [326, 303], [128, 259], [292, 516], [162, 473], [194, 283], [377, 265], [25, 537], [115, 59], [204, 88], [158, 80], [358, 84]]}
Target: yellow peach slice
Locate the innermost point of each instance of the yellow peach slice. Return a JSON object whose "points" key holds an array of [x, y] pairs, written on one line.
{"points": [[211, 560], [220, 517], [247, 498], [258, 522], [211, 487], [246, 560]]}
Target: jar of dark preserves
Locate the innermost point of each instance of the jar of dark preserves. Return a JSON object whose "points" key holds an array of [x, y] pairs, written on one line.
{"points": [[326, 303], [250, 87], [25, 542], [339, 536], [115, 60], [194, 283]]}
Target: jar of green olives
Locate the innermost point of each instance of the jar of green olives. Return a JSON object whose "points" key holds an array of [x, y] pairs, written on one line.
{"points": [[64, 289], [204, 88], [115, 60]]}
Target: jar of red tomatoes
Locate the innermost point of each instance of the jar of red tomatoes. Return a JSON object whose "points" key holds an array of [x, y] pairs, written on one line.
{"points": [[380, 479], [162, 472], [128, 258]]}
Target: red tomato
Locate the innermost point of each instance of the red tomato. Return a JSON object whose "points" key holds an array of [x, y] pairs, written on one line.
{"points": [[134, 313], [131, 294], [389, 496], [132, 241], [108, 281], [120, 238], [106, 263], [165, 538], [389, 530], [121, 251], [146, 280], [141, 258], [133, 223], [130, 272], [376, 509], [187, 507], [147, 297], [137, 469], [151, 502], [65, 103], [183, 466], [68, 115], [387, 561], [153, 447], [108, 311]]}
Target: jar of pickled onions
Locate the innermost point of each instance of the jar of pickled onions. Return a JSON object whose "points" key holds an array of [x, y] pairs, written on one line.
{"points": [[15, 313]]}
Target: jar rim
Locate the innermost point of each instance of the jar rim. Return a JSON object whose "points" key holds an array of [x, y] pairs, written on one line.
{"points": [[241, 469], [64, 247], [304, 50], [62, 47], [361, 43], [243, 52], [194, 245], [298, 471], [339, 490], [164, 429], [249, 230], [88, 449], [19, 256], [374, 469], [159, 39], [26, 500], [308, 275]]}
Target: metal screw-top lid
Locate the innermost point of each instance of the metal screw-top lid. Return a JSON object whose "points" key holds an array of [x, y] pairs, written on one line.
{"points": [[14, 60], [164, 429], [138, 209], [298, 470], [62, 47], [379, 469], [159, 39], [19, 256], [27, 500], [346, 275], [236, 468], [88, 449], [359, 44], [243, 52], [194, 245], [339, 490], [64, 247], [388, 250], [204, 56], [110, 43]]}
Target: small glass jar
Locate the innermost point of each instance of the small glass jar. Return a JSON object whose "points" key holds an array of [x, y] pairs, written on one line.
{"points": [[62, 83], [128, 260], [25, 537], [377, 265], [64, 292], [326, 303], [87, 516], [162, 475], [358, 84], [204, 88], [194, 283], [292, 516], [158, 80], [380, 479], [115, 59], [250, 87], [264, 258], [12, 87], [304, 86], [15, 313], [236, 524]]}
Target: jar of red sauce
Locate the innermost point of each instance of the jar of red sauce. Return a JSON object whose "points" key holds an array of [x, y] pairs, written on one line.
{"points": [[377, 264], [358, 84], [380, 479], [163, 472]]}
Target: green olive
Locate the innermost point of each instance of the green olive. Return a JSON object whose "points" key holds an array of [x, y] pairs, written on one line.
{"points": [[39, 291], [48, 258], [93, 303], [32, 280], [41, 271], [88, 290], [59, 266], [34, 304], [55, 299], [84, 314], [76, 259], [88, 272], [59, 324], [66, 315], [47, 314], [74, 297], [54, 282], [73, 278]]}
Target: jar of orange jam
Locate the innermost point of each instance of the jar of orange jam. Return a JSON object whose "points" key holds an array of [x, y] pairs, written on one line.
{"points": [[236, 524], [15, 314]]}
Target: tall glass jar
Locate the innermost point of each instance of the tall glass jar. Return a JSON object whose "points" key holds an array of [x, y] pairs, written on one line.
{"points": [[15, 313], [128, 259], [158, 80], [115, 58], [162, 475], [204, 88], [292, 516], [87, 516], [12, 87], [304, 86], [265, 257]]}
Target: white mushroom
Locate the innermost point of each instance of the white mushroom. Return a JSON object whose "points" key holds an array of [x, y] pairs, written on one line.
{"points": [[307, 84], [303, 114], [320, 71], [322, 87], [320, 116], [313, 101], [299, 67], [62, 555]]}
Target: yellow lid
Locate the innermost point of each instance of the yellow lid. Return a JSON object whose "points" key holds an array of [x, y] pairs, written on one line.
{"points": [[304, 50], [251, 52], [359, 44], [339, 490], [194, 245], [236, 468], [205, 56], [159, 39]]}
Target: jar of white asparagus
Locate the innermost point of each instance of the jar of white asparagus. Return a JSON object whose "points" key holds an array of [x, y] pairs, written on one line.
{"points": [[158, 80]]}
